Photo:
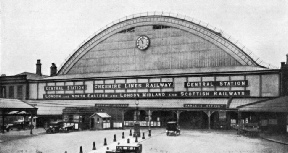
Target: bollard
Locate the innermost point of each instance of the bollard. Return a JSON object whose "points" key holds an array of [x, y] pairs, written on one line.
{"points": [[143, 135], [81, 149], [123, 135], [105, 142], [114, 140], [130, 133], [128, 140], [65, 152], [94, 148], [149, 134], [107, 148], [136, 139]]}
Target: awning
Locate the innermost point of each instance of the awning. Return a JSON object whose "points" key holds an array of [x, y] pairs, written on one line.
{"points": [[143, 103], [16, 106], [236, 102], [49, 110], [270, 105]]}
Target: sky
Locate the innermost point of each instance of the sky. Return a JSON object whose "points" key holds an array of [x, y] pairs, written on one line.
{"points": [[51, 30]]}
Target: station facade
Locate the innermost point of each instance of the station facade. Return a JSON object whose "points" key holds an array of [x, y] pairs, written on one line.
{"points": [[165, 67]]}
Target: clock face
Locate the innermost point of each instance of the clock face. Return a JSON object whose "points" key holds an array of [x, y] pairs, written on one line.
{"points": [[142, 42]]}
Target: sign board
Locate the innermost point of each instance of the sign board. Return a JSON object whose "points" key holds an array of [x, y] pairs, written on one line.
{"points": [[75, 118], [264, 122], [205, 106], [111, 105], [150, 95], [65, 118], [236, 83], [222, 115], [133, 85], [62, 88], [272, 121]]}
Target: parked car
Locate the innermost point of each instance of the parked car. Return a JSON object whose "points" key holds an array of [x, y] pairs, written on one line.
{"points": [[17, 125], [172, 128], [6, 127], [127, 148], [58, 126]]}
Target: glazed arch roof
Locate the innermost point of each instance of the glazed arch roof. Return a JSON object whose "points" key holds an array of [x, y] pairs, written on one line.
{"points": [[204, 30]]}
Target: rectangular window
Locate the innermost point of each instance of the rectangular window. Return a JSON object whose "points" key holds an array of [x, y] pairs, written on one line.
{"points": [[83, 119], [20, 92], [70, 118], [76, 118], [11, 92], [2, 92]]}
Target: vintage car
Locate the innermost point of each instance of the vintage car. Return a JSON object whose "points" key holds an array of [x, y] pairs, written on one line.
{"points": [[6, 127], [17, 125], [127, 148], [58, 126], [172, 128]]}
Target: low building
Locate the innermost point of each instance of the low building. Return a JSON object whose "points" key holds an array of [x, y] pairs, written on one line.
{"points": [[100, 121]]}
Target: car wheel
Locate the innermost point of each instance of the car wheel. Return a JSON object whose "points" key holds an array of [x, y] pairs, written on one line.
{"points": [[167, 133], [48, 131]]}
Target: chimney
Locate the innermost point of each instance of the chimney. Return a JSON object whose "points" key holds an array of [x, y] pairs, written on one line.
{"points": [[282, 64], [53, 70], [38, 67]]}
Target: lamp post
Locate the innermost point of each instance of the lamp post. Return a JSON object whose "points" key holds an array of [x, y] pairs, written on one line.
{"points": [[136, 124]]}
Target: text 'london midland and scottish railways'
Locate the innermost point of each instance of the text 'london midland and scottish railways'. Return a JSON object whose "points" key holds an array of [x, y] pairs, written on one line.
{"points": [[150, 95]]}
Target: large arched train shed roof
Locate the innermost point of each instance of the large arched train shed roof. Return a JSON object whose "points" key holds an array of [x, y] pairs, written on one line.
{"points": [[172, 50]]}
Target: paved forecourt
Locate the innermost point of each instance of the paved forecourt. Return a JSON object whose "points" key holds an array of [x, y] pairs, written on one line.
{"points": [[200, 141]]}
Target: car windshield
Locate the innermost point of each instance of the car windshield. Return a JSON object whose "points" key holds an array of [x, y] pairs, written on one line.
{"points": [[171, 126], [55, 123]]}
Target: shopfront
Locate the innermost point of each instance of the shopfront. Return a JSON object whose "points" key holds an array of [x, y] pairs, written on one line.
{"points": [[160, 68]]}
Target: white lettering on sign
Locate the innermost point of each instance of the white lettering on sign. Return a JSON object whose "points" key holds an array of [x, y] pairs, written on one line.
{"points": [[134, 85], [205, 105], [195, 93], [232, 83], [188, 94], [129, 95], [61, 88], [109, 86], [53, 88], [229, 93], [236, 83], [154, 94]]}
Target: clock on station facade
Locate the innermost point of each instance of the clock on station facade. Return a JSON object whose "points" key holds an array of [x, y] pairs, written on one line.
{"points": [[142, 42]]}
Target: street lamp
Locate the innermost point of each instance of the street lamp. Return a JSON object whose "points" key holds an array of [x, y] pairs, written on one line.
{"points": [[136, 124]]}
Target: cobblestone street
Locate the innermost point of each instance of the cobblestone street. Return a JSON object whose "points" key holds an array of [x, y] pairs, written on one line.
{"points": [[200, 141]]}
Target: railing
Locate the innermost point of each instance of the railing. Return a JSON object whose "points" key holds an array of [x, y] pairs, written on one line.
{"points": [[105, 30]]}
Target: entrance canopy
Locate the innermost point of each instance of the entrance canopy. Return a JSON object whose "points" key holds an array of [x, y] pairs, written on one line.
{"points": [[15, 106], [270, 105]]}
